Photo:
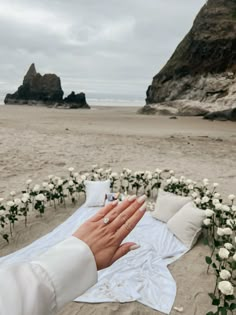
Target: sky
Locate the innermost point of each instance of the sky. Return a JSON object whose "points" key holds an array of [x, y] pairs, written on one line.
{"points": [[109, 49]]}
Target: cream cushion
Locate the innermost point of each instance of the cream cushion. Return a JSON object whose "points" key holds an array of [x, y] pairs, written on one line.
{"points": [[96, 192], [168, 204], [186, 224]]}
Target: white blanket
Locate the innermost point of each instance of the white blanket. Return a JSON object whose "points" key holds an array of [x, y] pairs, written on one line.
{"points": [[142, 275]]}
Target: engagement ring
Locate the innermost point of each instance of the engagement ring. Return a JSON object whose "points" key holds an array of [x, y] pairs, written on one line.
{"points": [[106, 220]]}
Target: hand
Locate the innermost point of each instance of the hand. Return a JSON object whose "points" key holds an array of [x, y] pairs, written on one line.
{"points": [[104, 239]]}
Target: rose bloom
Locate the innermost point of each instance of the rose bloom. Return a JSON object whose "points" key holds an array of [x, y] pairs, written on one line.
{"points": [[215, 185], [50, 186], [225, 274], [220, 232], [71, 169], [207, 222], [225, 208], [228, 231], [189, 181], [1, 200], [17, 201], [231, 197], [44, 184], [205, 199], [168, 181], [234, 208], [171, 172], [2, 212], [36, 188], [40, 197], [209, 213], [226, 288], [228, 246], [12, 193], [29, 181], [60, 182], [71, 183], [174, 180], [216, 195], [190, 187], [194, 194], [215, 201], [218, 206], [197, 201], [10, 203], [158, 171], [83, 177], [223, 253]]}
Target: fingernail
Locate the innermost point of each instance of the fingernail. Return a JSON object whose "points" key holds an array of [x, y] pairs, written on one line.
{"points": [[132, 198], [133, 247], [142, 199], [144, 207], [115, 202]]}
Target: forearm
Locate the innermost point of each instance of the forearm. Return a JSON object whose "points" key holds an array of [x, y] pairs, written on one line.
{"points": [[43, 286]]}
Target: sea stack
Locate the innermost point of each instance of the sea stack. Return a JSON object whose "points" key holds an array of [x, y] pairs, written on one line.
{"points": [[201, 72], [43, 90]]}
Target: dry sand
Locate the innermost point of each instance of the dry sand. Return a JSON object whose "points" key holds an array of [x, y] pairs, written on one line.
{"points": [[35, 142]]}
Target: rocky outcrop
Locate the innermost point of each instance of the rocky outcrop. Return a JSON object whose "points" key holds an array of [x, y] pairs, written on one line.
{"points": [[203, 67], [44, 90], [76, 100], [228, 114]]}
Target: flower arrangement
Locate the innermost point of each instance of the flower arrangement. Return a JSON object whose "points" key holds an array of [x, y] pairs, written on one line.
{"points": [[219, 224]]}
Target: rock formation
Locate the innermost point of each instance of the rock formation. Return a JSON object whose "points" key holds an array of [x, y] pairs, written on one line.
{"points": [[76, 100], [203, 67], [44, 90], [228, 114]]}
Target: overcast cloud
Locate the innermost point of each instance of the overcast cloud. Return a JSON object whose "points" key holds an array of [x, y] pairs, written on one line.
{"points": [[109, 49]]}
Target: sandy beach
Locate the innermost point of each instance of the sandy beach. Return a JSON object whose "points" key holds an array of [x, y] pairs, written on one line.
{"points": [[37, 141]]}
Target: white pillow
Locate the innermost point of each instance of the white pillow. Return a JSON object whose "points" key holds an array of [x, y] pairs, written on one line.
{"points": [[186, 225], [96, 192], [168, 204]]}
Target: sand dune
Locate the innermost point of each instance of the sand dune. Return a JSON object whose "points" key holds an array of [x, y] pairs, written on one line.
{"points": [[36, 141]]}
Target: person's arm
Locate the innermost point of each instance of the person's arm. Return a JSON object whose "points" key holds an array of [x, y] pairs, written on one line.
{"points": [[43, 286], [67, 270]]}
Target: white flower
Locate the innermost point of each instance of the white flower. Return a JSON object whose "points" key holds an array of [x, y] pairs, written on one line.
{"points": [[24, 200], [220, 232], [45, 184], [216, 195], [215, 185], [234, 208], [207, 192], [228, 231], [174, 180], [225, 274], [76, 174], [205, 199], [158, 171], [218, 206], [194, 194], [226, 288], [234, 257], [29, 181], [225, 208], [168, 181], [228, 246], [231, 197], [60, 182], [51, 186], [190, 187], [83, 177], [171, 172], [1, 200], [26, 195], [40, 197], [205, 181], [12, 193], [230, 222], [71, 169], [189, 181], [17, 201], [2, 212], [10, 203], [209, 213], [71, 183], [207, 222], [197, 201], [36, 188], [224, 253], [114, 175], [215, 201]]}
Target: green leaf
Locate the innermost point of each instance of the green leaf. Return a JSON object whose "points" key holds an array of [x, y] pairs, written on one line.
{"points": [[216, 302], [212, 296], [210, 313], [232, 306], [208, 260]]}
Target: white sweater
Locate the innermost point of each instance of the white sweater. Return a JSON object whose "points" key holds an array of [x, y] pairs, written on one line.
{"points": [[43, 286]]}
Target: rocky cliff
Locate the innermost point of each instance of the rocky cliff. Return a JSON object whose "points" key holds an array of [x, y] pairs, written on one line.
{"points": [[43, 90], [203, 67]]}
